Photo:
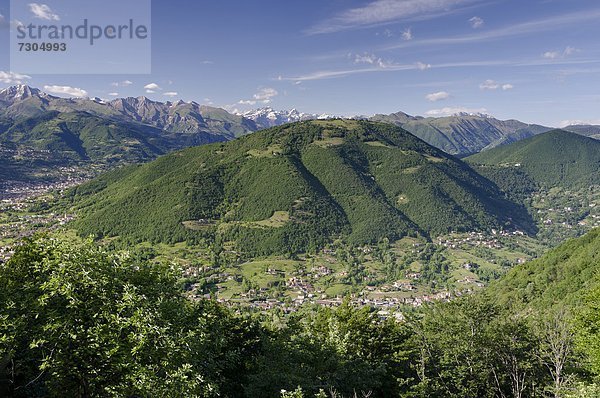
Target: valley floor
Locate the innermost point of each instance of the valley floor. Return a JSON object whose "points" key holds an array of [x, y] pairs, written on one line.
{"points": [[391, 276]]}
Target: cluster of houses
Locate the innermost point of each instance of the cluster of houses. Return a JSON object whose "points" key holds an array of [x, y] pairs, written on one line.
{"points": [[478, 239]]}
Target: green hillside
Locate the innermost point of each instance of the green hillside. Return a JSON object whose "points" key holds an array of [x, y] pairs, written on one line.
{"points": [[560, 276], [82, 136], [555, 158], [293, 188]]}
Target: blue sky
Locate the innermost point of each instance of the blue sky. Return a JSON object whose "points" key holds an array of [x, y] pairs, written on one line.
{"points": [[534, 60]]}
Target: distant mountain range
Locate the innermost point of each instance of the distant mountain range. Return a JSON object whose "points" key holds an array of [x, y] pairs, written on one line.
{"points": [[461, 134], [136, 129], [294, 188], [269, 117], [131, 129]]}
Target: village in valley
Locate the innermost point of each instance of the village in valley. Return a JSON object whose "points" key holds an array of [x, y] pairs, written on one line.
{"points": [[389, 276]]}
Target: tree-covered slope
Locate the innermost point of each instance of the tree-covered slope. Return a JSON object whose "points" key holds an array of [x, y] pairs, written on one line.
{"points": [[293, 188], [555, 158], [82, 136], [560, 276]]}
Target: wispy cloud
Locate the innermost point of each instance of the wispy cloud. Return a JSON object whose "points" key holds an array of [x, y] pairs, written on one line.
{"points": [[525, 28], [493, 85], [476, 22], [394, 67], [113, 94], [66, 90], [385, 11], [330, 74], [42, 11], [171, 94], [407, 34], [578, 122], [439, 96], [124, 83], [560, 54], [13, 78], [451, 111], [371, 59]]}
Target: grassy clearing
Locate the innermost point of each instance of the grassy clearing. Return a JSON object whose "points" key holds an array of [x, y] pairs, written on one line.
{"points": [[377, 144], [329, 142]]}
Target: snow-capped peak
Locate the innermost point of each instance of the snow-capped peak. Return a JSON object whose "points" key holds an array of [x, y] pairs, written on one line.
{"points": [[269, 117], [19, 92]]}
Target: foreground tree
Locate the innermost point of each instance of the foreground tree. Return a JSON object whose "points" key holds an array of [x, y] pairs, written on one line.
{"points": [[469, 348], [77, 321]]}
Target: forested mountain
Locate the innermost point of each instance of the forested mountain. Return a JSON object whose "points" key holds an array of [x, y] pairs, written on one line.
{"points": [[463, 134], [555, 158], [293, 188]]}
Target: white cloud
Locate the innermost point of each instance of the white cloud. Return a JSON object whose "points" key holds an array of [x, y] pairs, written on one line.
{"points": [[551, 54], [450, 111], [370, 59], [570, 50], [439, 96], [422, 66], [152, 87], [558, 54], [42, 11], [124, 83], [566, 123], [407, 34], [113, 94], [12, 77], [265, 94], [171, 94], [494, 85], [476, 22], [67, 90], [385, 11]]}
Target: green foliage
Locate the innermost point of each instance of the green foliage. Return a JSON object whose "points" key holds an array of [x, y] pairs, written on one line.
{"points": [[560, 276], [346, 350], [77, 321], [588, 330], [468, 348]]}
